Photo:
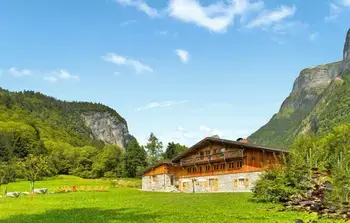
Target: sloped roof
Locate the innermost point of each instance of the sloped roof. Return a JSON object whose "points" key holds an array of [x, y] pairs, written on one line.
{"points": [[223, 141], [155, 166]]}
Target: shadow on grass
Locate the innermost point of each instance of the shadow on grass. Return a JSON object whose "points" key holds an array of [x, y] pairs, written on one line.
{"points": [[85, 215]]}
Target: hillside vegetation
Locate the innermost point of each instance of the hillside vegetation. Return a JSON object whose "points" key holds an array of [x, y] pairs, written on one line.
{"points": [[33, 123], [331, 108]]}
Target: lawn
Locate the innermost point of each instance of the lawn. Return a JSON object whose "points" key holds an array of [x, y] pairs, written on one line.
{"points": [[132, 205]]}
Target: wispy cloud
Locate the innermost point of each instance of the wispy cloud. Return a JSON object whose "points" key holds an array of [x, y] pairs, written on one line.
{"points": [[128, 22], [336, 8], [215, 17], [183, 55], [153, 105], [269, 17], [17, 72], [163, 32], [121, 60], [313, 36], [140, 5], [60, 75], [211, 131]]}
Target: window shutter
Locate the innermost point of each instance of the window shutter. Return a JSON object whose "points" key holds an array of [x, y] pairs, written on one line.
{"points": [[236, 183], [216, 184], [246, 182]]}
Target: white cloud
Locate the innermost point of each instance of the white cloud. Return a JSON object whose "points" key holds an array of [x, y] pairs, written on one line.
{"points": [[128, 22], [160, 104], [313, 36], [163, 32], [336, 8], [51, 79], [269, 17], [180, 128], [210, 131], [19, 72], [60, 75], [120, 60], [204, 128], [215, 17], [183, 55], [140, 5]]}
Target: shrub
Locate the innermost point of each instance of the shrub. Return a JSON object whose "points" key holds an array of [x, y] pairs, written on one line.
{"points": [[278, 185]]}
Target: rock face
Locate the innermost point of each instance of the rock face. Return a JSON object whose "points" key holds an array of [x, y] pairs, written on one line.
{"points": [[311, 104], [346, 55], [309, 84], [108, 128]]}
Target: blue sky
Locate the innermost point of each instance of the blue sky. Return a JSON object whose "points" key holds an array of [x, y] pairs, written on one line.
{"points": [[183, 69]]}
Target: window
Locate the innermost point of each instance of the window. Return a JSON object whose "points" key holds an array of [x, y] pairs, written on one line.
{"points": [[216, 166], [200, 169], [155, 179], [235, 183], [222, 166], [189, 170], [241, 182], [231, 165], [194, 169], [239, 164], [207, 152], [207, 168]]}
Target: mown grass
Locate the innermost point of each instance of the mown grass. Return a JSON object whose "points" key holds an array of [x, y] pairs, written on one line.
{"points": [[132, 205]]}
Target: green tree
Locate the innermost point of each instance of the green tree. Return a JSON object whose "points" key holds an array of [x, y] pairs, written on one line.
{"points": [[108, 163], [7, 174], [173, 150], [34, 168], [154, 149], [135, 158]]}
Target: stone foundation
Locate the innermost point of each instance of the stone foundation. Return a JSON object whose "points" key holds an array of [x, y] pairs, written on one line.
{"points": [[161, 182], [239, 182]]}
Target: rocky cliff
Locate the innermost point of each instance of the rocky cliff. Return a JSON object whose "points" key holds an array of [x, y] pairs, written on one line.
{"points": [[308, 108], [346, 55], [76, 123], [107, 128]]}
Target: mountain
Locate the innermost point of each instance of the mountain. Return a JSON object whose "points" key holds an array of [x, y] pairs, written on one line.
{"points": [[320, 99], [34, 115]]}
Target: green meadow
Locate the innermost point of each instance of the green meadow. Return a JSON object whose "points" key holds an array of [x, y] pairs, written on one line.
{"points": [[125, 204]]}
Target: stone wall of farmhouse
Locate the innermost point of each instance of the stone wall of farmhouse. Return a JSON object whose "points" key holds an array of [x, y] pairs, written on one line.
{"points": [[160, 182], [240, 182]]}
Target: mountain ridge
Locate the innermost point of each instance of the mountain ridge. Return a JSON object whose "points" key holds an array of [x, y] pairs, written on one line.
{"points": [[304, 109]]}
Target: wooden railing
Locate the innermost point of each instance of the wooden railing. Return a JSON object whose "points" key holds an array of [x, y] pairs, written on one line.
{"points": [[212, 158]]}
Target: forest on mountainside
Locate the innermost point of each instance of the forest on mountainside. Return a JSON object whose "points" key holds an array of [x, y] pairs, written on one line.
{"points": [[33, 124], [332, 108]]}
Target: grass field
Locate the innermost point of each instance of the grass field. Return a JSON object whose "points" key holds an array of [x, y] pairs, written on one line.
{"points": [[132, 205]]}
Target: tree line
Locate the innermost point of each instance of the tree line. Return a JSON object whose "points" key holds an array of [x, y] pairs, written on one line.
{"points": [[38, 132], [328, 153], [26, 158]]}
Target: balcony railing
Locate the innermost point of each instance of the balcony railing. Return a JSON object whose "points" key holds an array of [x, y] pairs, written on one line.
{"points": [[217, 157]]}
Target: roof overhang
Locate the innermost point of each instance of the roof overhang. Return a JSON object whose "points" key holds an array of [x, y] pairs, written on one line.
{"points": [[224, 142]]}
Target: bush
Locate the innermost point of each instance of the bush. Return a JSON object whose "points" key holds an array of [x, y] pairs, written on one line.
{"points": [[278, 185]]}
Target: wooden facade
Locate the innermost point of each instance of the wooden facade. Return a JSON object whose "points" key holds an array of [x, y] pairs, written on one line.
{"points": [[215, 157]]}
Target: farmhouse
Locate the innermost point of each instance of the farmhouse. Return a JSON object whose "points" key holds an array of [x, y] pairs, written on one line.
{"points": [[212, 165]]}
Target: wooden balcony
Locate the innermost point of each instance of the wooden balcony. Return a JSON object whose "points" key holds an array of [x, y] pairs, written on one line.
{"points": [[213, 158]]}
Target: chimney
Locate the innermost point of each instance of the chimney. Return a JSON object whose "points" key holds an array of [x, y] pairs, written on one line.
{"points": [[242, 140]]}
